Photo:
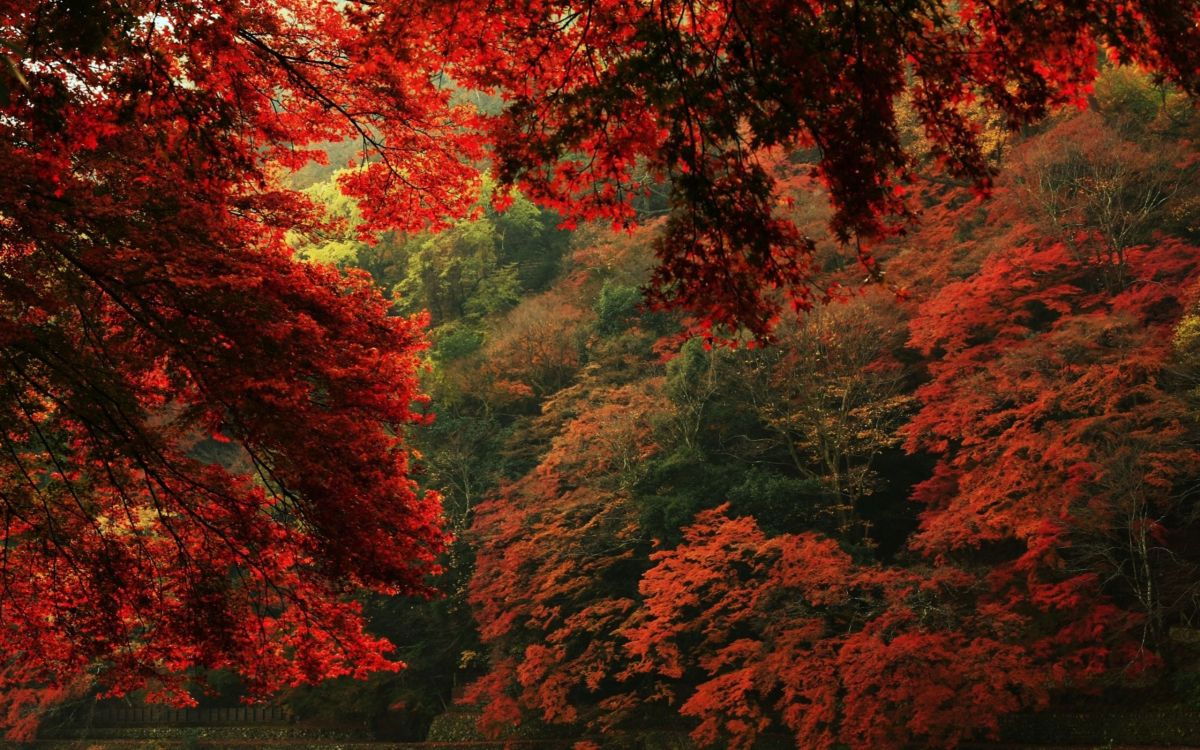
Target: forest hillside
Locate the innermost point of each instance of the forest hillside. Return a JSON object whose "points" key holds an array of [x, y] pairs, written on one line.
{"points": [[612, 374], [964, 492]]}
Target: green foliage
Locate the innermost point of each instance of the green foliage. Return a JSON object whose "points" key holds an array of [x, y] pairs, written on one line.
{"points": [[781, 503], [340, 245], [449, 273], [477, 268], [688, 371], [455, 341], [615, 306], [500, 290], [530, 239], [678, 485], [1128, 97]]}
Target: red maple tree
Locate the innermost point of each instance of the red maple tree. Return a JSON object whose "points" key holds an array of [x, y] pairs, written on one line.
{"points": [[596, 92], [150, 301]]}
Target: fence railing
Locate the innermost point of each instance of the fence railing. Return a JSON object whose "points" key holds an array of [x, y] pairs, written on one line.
{"points": [[122, 716]]}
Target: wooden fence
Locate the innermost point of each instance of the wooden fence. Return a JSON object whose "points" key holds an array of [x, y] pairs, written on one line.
{"points": [[124, 716]]}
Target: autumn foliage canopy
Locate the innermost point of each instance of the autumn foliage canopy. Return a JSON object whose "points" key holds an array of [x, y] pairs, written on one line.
{"points": [[204, 451]]}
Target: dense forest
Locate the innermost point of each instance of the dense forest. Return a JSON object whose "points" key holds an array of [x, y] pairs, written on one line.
{"points": [[922, 505], [365, 359]]}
